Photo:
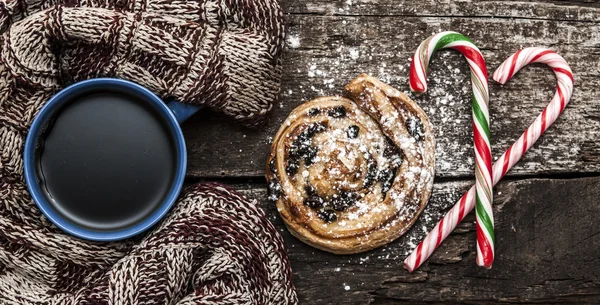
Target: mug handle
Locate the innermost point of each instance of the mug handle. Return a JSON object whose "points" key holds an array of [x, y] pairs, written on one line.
{"points": [[183, 111]]}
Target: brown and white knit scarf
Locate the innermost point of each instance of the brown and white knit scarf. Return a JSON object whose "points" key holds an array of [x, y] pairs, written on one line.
{"points": [[222, 53], [214, 247]]}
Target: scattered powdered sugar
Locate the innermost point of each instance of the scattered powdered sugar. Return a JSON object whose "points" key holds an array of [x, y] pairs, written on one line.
{"points": [[327, 76], [444, 197], [293, 41], [447, 109], [354, 53], [447, 101]]}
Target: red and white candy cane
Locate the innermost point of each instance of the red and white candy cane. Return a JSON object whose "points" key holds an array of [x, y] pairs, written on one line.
{"points": [[514, 153], [481, 132]]}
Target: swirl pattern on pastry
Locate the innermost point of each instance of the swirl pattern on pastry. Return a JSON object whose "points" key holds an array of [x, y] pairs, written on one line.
{"points": [[352, 173]]}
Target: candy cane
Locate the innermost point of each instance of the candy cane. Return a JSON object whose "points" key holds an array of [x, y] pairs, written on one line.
{"points": [[481, 122], [514, 153]]}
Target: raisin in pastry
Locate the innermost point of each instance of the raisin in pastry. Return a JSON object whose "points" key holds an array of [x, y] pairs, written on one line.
{"points": [[353, 173]]}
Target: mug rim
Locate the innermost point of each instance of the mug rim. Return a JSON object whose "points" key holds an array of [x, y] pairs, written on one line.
{"points": [[30, 171]]}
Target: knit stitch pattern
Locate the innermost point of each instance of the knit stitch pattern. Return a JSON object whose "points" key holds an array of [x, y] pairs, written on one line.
{"points": [[214, 247], [222, 54]]}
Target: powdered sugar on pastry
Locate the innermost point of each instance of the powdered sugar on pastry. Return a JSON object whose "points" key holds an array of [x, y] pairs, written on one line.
{"points": [[352, 173]]}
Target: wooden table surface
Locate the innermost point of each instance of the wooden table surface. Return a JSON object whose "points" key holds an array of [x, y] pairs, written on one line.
{"points": [[548, 207]]}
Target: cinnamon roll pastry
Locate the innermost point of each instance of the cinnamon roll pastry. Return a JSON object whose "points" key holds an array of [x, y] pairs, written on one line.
{"points": [[350, 174]]}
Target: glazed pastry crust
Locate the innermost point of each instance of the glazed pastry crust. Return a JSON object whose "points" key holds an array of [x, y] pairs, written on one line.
{"points": [[322, 163]]}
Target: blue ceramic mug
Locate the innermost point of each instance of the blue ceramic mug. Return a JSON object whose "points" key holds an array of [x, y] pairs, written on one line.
{"points": [[105, 158]]}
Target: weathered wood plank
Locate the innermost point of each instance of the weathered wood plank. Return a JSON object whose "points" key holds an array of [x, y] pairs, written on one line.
{"points": [[325, 52], [576, 10], [548, 239], [548, 244]]}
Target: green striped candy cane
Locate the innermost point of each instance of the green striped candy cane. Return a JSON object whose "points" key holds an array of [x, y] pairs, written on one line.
{"points": [[481, 132]]}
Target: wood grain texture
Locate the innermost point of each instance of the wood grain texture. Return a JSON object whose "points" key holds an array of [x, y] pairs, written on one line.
{"points": [[548, 238], [577, 10], [327, 48], [547, 252]]}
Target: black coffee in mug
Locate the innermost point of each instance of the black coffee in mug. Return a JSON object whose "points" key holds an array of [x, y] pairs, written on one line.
{"points": [[106, 160]]}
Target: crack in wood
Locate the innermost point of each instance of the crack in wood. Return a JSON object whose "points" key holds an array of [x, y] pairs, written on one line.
{"points": [[542, 260], [470, 17]]}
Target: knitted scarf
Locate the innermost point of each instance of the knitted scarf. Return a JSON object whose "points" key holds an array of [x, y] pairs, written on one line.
{"points": [[214, 247], [223, 54]]}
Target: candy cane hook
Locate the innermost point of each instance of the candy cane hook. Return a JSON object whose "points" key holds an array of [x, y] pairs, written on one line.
{"points": [[515, 152], [481, 122]]}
